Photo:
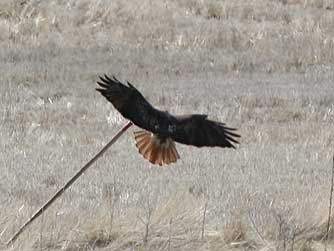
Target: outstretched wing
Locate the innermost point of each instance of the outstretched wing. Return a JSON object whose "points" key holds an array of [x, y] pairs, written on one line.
{"points": [[194, 129], [199, 131], [131, 103]]}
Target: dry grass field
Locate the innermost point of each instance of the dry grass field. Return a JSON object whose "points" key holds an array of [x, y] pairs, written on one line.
{"points": [[262, 66]]}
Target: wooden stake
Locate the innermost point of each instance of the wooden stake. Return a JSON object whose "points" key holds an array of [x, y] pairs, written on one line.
{"points": [[330, 206], [68, 184]]}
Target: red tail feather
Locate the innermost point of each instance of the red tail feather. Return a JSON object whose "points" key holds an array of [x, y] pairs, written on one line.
{"points": [[154, 149]]}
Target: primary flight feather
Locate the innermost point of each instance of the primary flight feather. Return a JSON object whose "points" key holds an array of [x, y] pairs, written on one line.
{"points": [[162, 129]]}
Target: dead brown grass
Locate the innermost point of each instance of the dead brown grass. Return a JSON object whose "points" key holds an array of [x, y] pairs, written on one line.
{"points": [[265, 67]]}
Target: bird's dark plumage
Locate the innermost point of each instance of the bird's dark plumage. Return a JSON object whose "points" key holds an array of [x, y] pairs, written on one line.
{"points": [[157, 145]]}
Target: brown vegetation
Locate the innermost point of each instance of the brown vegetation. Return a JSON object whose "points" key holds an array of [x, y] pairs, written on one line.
{"points": [[265, 67]]}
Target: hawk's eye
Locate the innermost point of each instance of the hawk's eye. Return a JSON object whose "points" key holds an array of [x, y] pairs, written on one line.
{"points": [[171, 128]]}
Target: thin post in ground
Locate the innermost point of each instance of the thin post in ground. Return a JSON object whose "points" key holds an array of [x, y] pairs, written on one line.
{"points": [[330, 205], [68, 184]]}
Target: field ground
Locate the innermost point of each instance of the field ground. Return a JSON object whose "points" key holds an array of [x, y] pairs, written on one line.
{"points": [[264, 67]]}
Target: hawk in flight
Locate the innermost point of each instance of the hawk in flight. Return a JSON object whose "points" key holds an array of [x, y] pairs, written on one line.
{"points": [[162, 129]]}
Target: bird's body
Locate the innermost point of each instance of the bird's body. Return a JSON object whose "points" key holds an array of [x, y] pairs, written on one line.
{"points": [[162, 128]]}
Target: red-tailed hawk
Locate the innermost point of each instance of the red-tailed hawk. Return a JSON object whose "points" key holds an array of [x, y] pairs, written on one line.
{"points": [[162, 129]]}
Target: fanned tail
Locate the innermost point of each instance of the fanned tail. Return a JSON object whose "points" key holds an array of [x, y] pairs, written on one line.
{"points": [[154, 149]]}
